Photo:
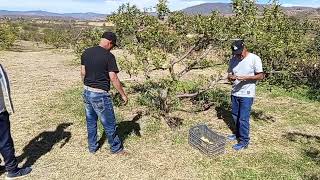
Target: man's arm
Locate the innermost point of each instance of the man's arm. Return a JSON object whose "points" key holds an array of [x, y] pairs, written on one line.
{"points": [[83, 72], [257, 76], [117, 84]]}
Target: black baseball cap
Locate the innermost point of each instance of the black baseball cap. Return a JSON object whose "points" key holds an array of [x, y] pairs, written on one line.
{"points": [[111, 37], [237, 47]]}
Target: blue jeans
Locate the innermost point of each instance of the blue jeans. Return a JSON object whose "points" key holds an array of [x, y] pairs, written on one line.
{"points": [[241, 109], [100, 105], [6, 143]]}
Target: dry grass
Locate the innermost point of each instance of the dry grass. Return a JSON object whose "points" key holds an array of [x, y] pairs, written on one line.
{"points": [[47, 92]]}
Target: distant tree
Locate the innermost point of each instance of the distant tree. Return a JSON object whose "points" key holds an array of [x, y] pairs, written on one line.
{"points": [[162, 9], [7, 35]]}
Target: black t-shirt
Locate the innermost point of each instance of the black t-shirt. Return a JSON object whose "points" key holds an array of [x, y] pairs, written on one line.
{"points": [[98, 63]]}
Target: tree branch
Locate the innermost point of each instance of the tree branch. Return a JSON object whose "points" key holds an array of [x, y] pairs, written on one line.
{"points": [[188, 68], [184, 56]]}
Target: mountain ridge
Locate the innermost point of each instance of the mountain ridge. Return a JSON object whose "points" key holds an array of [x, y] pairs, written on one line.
{"points": [[203, 9]]}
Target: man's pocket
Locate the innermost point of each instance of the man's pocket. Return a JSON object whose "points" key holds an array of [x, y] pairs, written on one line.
{"points": [[98, 105]]}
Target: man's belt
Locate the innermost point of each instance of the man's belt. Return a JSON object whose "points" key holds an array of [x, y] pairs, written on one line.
{"points": [[94, 89]]}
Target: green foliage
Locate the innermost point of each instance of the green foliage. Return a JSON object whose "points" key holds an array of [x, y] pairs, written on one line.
{"points": [[219, 97], [317, 43], [7, 35], [212, 27], [160, 95], [128, 65], [162, 9], [244, 23], [180, 22], [284, 44], [157, 95], [126, 21], [152, 41], [89, 38], [59, 38], [31, 36], [60, 34]]}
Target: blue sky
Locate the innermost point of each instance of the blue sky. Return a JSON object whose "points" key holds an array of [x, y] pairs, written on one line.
{"points": [[108, 6]]}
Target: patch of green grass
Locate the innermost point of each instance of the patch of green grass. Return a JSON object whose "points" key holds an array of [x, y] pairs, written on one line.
{"points": [[153, 126], [303, 93], [179, 138], [260, 165], [72, 102]]}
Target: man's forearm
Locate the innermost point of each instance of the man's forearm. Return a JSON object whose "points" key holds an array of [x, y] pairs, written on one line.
{"points": [[117, 84], [83, 72], [259, 76], [82, 77]]}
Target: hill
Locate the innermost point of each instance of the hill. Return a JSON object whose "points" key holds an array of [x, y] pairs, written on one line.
{"points": [[226, 9], [50, 15]]}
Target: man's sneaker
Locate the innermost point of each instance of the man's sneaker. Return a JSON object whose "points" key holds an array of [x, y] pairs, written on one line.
{"points": [[19, 174], [232, 137], [2, 169], [239, 146]]}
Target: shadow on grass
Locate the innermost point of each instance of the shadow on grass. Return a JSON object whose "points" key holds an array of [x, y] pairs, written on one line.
{"points": [[174, 122], [313, 94], [124, 129], [294, 136], [43, 143], [312, 177], [312, 153], [222, 103], [225, 114], [259, 115]]}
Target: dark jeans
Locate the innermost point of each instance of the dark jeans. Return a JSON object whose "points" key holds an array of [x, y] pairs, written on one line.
{"points": [[100, 105], [6, 143], [241, 108]]}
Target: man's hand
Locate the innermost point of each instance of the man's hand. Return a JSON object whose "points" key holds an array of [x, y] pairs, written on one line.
{"points": [[232, 77], [125, 99]]}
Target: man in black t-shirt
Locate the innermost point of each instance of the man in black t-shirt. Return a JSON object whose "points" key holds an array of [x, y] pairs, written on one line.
{"points": [[98, 69]]}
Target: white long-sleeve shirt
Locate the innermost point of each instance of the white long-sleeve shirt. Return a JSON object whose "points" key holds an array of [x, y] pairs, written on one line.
{"points": [[5, 96]]}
